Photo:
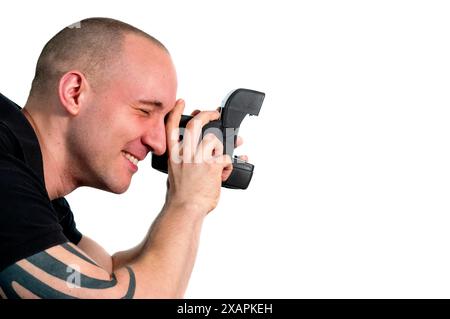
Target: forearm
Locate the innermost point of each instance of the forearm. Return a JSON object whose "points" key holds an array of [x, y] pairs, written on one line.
{"points": [[126, 257], [163, 262]]}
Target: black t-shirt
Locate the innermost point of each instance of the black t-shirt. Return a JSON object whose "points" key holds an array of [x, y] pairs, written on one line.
{"points": [[29, 221]]}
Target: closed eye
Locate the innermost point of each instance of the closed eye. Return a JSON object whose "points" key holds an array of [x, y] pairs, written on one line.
{"points": [[146, 112]]}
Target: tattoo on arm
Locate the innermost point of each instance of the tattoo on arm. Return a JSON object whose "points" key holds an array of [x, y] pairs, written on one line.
{"points": [[16, 274], [72, 250]]}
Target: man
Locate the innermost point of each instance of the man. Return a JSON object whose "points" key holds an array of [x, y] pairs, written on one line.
{"points": [[96, 108]]}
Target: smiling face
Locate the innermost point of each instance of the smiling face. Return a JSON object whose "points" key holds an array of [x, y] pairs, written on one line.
{"points": [[123, 120]]}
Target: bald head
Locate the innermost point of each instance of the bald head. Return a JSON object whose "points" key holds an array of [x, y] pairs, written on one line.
{"points": [[92, 46]]}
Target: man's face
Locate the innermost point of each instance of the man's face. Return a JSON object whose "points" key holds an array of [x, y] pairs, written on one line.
{"points": [[124, 120]]}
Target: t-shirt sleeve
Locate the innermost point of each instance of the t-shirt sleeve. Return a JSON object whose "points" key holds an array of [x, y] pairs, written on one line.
{"points": [[28, 221], [67, 221]]}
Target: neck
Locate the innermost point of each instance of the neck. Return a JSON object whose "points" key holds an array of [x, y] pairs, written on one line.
{"points": [[57, 174]]}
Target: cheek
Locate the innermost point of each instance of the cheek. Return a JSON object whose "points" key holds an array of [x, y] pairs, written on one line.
{"points": [[95, 136], [132, 128], [128, 132]]}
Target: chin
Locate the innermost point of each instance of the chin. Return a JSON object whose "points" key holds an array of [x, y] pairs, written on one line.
{"points": [[119, 189], [115, 180], [116, 186]]}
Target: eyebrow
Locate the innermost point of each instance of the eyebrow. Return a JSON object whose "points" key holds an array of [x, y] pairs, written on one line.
{"points": [[152, 103]]}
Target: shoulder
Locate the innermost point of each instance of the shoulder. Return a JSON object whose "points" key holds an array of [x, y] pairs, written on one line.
{"points": [[8, 143], [21, 190], [16, 175]]}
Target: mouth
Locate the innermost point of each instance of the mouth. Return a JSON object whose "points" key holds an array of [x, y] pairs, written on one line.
{"points": [[133, 160]]}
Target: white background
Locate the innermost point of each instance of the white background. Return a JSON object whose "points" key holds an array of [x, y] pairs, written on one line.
{"points": [[350, 196]]}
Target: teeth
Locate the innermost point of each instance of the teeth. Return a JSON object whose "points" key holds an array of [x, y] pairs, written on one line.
{"points": [[131, 158]]}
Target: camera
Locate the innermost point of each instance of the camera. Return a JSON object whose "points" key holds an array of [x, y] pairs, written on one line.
{"points": [[236, 105]]}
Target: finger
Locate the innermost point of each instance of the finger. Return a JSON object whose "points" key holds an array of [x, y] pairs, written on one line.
{"points": [[173, 122], [195, 112], [193, 132], [239, 141], [173, 132], [202, 118], [209, 147], [227, 168], [243, 158]]}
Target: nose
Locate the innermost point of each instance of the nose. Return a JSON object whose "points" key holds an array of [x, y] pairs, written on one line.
{"points": [[155, 137]]}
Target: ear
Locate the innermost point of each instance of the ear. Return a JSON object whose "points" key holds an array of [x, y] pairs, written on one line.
{"points": [[72, 88]]}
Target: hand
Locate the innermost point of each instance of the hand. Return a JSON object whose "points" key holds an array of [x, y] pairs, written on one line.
{"points": [[196, 170], [239, 141]]}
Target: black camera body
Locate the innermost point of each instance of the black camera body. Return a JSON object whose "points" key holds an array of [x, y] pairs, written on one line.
{"points": [[235, 107]]}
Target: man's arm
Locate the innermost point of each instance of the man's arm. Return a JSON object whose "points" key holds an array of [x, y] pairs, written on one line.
{"points": [[97, 252], [65, 271]]}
